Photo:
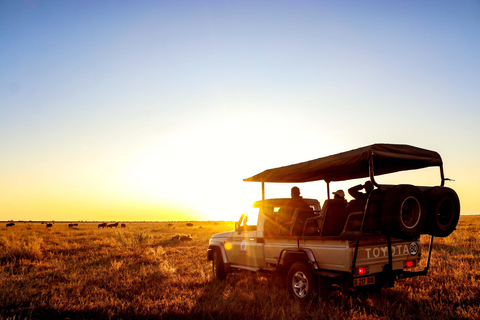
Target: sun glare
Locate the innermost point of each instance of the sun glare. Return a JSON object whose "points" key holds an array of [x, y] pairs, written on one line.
{"points": [[203, 177]]}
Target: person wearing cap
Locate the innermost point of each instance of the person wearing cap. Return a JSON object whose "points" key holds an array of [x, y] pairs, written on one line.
{"points": [[339, 194], [355, 190]]}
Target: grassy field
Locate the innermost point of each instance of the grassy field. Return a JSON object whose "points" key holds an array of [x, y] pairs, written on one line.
{"points": [[160, 271]]}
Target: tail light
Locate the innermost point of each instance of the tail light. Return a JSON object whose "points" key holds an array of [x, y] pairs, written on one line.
{"points": [[409, 263], [361, 271]]}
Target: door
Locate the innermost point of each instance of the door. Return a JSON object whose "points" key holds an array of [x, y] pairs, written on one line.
{"points": [[244, 241]]}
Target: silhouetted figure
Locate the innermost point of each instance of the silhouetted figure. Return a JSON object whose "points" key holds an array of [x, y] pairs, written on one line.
{"points": [[339, 194], [355, 190], [285, 213]]}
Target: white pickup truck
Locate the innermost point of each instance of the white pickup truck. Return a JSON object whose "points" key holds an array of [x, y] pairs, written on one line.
{"points": [[365, 242]]}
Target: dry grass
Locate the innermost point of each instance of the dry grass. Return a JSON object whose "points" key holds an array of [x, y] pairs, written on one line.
{"points": [[159, 270]]}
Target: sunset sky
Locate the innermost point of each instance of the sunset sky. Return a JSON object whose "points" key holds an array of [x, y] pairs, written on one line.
{"points": [[156, 110]]}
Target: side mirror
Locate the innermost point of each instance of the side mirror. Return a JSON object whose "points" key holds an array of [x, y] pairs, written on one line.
{"points": [[238, 224], [238, 228]]}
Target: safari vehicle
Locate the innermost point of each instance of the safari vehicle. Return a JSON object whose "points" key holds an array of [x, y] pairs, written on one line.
{"points": [[367, 243]]}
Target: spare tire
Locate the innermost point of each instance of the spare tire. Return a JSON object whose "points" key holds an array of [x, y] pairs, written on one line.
{"points": [[403, 212], [443, 211]]}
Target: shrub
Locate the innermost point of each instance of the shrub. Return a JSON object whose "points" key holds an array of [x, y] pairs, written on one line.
{"points": [[141, 237], [138, 238], [21, 248]]}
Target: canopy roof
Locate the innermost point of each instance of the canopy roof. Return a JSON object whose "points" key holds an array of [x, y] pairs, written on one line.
{"points": [[353, 164]]}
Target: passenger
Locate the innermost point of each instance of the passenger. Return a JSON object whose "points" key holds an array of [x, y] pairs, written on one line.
{"points": [[339, 194], [285, 213], [355, 191]]}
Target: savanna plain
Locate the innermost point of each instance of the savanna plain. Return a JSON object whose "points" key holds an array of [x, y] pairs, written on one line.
{"points": [[160, 271]]}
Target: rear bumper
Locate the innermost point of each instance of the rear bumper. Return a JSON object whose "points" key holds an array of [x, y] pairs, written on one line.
{"points": [[383, 279], [388, 278]]}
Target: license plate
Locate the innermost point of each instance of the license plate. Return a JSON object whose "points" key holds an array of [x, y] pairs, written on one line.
{"points": [[363, 281]]}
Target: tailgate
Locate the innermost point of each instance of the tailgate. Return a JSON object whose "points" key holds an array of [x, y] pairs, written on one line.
{"points": [[374, 254]]}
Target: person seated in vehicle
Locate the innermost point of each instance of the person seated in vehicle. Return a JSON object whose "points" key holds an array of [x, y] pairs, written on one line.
{"points": [[355, 190], [335, 214], [339, 194], [285, 214]]}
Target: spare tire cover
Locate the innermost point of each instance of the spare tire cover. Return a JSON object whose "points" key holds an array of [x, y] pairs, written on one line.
{"points": [[403, 212], [443, 211]]}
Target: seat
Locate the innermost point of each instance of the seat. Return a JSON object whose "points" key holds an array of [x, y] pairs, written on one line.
{"points": [[354, 222], [335, 213], [298, 220], [356, 205], [283, 222], [355, 211], [313, 225]]}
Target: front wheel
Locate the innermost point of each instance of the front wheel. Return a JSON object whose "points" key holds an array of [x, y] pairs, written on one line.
{"points": [[301, 284], [218, 267]]}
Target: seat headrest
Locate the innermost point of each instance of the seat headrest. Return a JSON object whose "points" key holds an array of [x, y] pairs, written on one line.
{"points": [[334, 201]]}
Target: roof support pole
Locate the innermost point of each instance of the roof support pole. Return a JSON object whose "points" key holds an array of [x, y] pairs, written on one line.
{"points": [[371, 171], [328, 189], [263, 191], [264, 205], [442, 175]]}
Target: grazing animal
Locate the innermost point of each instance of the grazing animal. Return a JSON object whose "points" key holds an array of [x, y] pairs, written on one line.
{"points": [[102, 225], [49, 225], [112, 225], [182, 237], [123, 225], [11, 224], [189, 224], [75, 224], [70, 225]]}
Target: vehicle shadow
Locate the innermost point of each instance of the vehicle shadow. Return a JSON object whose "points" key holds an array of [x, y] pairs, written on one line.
{"points": [[240, 296], [256, 296]]}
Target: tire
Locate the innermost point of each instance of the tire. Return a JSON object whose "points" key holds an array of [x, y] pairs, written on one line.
{"points": [[301, 284], [218, 267], [443, 211], [403, 212]]}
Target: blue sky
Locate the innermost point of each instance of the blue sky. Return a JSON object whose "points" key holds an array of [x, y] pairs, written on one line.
{"points": [[149, 110]]}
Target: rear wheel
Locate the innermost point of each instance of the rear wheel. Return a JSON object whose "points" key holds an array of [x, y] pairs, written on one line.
{"points": [[217, 265], [301, 283], [443, 211], [403, 212]]}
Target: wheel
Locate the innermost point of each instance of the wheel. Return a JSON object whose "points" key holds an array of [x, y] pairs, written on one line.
{"points": [[443, 211], [217, 265], [300, 282], [403, 212]]}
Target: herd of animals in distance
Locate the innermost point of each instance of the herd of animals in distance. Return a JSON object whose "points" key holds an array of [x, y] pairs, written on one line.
{"points": [[100, 225]]}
